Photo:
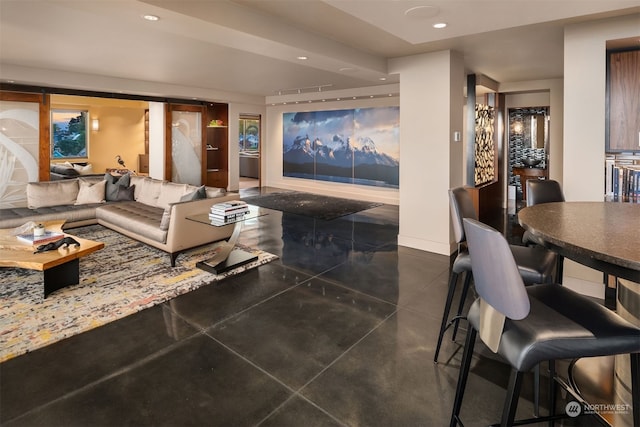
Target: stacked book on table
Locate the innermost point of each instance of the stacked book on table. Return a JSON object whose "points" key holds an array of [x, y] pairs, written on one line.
{"points": [[228, 212], [47, 237]]}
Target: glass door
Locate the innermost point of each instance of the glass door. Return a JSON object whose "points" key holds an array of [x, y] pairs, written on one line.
{"points": [[186, 144], [23, 123]]}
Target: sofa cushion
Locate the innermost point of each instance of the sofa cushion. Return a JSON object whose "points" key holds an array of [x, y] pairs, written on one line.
{"points": [[149, 191], [136, 217], [137, 180], [15, 217], [170, 192], [52, 193], [91, 192], [113, 182]]}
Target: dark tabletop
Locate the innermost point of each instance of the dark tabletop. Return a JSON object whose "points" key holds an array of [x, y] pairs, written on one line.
{"points": [[601, 235]]}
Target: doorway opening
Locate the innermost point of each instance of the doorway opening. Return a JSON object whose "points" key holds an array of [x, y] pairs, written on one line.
{"points": [[528, 136], [249, 139]]}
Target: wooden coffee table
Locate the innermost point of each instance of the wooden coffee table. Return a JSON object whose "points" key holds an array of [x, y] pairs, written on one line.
{"points": [[60, 267]]}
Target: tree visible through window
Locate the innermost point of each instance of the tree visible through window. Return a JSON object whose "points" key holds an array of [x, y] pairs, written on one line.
{"points": [[69, 134]]}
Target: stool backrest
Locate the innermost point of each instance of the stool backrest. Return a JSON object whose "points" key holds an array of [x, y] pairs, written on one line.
{"points": [[495, 272], [461, 206], [543, 191]]}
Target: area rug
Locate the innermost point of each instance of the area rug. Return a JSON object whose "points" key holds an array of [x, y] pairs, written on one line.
{"points": [[123, 278], [312, 205]]}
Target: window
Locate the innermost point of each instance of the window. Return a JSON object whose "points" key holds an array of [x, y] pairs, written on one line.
{"points": [[69, 135]]}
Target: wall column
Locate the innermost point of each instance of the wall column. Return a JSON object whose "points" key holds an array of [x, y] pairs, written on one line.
{"points": [[431, 162]]}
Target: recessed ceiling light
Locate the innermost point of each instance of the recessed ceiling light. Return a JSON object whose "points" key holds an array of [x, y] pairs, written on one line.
{"points": [[150, 17], [302, 57], [382, 79], [337, 99], [354, 97], [370, 96], [440, 25]]}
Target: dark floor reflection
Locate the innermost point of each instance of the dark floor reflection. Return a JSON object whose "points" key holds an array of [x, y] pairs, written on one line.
{"points": [[340, 330]]}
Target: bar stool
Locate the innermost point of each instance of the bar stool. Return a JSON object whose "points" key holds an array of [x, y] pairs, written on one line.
{"points": [[528, 325], [543, 191], [535, 264]]}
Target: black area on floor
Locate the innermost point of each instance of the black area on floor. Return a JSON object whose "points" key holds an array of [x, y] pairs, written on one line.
{"points": [[311, 205]]}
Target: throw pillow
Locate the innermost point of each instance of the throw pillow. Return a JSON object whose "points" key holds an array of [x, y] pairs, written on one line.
{"points": [[199, 194], [166, 217], [213, 192], [90, 192], [125, 193], [52, 193], [84, 170], [113, 183]]}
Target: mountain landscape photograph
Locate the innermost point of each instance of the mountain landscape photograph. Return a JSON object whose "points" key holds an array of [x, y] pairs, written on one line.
{"points": [[356, 146]]}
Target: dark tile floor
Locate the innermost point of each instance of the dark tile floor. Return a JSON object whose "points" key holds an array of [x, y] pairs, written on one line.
{"points": [[340, 330]]}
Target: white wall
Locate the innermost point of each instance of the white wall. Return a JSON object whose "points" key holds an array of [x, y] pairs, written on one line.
{"points": [[431, 110], [585, 101], [584, 121], [271, 161], [156, 139]]}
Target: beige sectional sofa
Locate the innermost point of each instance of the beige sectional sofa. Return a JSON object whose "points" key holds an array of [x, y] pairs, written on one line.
{"points": [[149, 210]]}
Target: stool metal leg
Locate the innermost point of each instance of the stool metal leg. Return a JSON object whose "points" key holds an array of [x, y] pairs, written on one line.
{"points": [[462, 377], [453, 280], [513, 394], [463, 297], [635, 387]]}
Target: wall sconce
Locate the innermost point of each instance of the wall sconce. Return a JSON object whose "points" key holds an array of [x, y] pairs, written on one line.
{"points": [[95, 124]]}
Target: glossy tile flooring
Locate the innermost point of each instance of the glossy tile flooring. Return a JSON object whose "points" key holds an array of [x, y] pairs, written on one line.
{"points": [[339, 331]]}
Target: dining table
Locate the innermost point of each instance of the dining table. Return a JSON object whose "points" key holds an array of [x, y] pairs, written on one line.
{"points": [[604, 236]]}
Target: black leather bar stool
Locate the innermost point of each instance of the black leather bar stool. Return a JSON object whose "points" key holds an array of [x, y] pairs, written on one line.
{"points": [[535, 264], [528, 325], [543, 191]]}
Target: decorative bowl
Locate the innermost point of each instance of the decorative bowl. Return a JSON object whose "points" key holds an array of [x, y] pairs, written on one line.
{"points": [[530, 162]]}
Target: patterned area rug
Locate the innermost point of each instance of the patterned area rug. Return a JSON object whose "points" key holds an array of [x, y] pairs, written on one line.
{"points": [[319, 207], [123, 278]]}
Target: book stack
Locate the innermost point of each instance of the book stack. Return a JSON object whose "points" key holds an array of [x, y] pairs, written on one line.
{"points": [[47, 237], [228, 212]]}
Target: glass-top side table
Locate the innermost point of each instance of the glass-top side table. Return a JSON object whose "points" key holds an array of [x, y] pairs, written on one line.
{"points": [[225, 255]]}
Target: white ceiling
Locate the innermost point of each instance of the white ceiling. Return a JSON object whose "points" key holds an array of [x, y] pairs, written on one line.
{"points": [[251, 46]]}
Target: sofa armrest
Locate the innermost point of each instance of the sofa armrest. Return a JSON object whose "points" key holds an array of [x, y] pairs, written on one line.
{"points": [[183, 233]]}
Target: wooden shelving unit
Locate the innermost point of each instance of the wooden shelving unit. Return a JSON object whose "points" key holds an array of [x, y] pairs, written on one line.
{"points": [[217, 146]]}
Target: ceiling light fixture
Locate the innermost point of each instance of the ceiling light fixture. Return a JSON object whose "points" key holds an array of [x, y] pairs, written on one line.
{"points": [[440, 25], [302, 57], [382, 79], [422, 12], [152, 18]]}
